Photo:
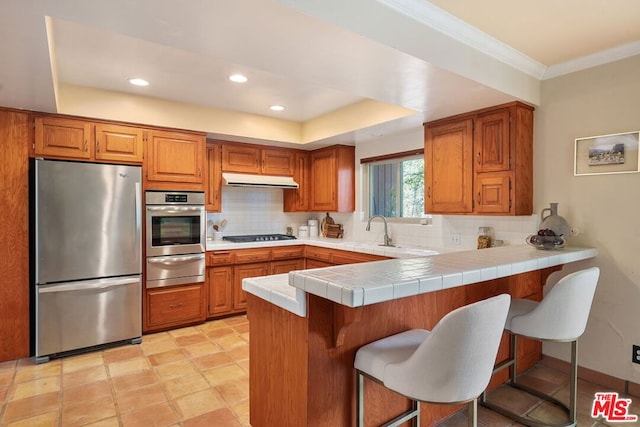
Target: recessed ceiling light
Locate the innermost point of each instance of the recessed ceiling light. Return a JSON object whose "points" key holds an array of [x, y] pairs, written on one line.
{"points": [[238, 78], [139, 82], [277, 107]]}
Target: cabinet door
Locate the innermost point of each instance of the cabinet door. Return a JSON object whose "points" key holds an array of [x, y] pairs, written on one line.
{"points": [[60, 137], [118, 143], [277, 162], [324, 180], [491, 142], [280, 267], [220, 282], [242, 272], [213, 188], [448, 151], [175, 306], [176, 158], [492, 193], [241, 159], [298, 200]]}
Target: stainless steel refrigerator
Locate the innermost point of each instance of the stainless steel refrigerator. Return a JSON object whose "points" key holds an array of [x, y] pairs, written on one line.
{"points": [[87, 270]]}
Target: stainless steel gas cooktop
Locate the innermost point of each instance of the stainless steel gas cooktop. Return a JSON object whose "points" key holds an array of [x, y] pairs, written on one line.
{"points": [[258, 238]]}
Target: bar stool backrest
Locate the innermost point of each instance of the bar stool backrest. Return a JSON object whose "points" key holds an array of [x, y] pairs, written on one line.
{"points": [[563, 313], [455, 362]]}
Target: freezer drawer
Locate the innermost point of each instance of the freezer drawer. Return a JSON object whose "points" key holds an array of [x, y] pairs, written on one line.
{"points": [[76, 315]]}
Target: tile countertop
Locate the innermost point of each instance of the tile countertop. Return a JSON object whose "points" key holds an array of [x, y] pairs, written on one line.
{"points": [[346, 245], [356, 285]]}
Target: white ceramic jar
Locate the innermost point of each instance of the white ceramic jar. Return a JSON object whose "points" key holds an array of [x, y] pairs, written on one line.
{"points": [[313, 228], [303, 231]]}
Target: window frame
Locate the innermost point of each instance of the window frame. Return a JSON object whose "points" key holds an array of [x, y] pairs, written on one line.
{"points": [[365, 163]]}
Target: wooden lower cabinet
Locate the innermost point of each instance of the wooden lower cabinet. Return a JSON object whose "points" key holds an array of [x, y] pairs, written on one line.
{"points": [[220, 283], [242, 272], [314, 263], [175, 306], [281, 267]]}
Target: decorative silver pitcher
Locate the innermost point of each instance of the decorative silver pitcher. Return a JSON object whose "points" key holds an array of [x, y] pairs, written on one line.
{"points": [[553, 221]]}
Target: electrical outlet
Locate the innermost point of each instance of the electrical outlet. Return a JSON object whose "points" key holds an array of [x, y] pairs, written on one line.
{"points": [[455, 238], [635, 357]]}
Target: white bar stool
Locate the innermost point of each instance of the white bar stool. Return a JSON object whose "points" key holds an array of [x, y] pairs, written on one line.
{"points": [[561, 316], [450, 364]]}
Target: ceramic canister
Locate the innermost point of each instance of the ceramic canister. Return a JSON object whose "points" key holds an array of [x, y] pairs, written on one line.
{"points": [[313, 228]]}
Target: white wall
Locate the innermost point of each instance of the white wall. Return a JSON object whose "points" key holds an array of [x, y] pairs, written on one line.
{"points": [[606, 208]]}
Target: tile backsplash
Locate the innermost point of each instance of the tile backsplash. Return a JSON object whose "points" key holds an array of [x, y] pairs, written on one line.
{"points": [[259, 211]]}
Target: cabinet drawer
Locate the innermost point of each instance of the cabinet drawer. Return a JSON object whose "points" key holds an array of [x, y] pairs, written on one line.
{"points": [[252, 255], [288, 252], [175, 305], [321, 254], [347, 257], [219, 258]]}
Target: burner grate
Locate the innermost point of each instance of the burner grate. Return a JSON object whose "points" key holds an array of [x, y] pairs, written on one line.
{"points": [[258, 238]]}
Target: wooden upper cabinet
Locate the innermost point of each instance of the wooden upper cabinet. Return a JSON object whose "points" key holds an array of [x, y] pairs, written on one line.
{"points": [[240, 158], [213, 190], [254, 159], [481, 162], [278, 162], [118, 143], [333, 179], [62, 137], [298, 200], [175, 158], [448, 151]]}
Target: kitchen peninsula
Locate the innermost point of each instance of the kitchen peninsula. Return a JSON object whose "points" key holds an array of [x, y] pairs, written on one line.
{"points": [[305, 327]]}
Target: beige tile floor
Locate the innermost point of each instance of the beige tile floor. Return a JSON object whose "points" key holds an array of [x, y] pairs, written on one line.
{"points": [[189, 377], [547, 380], [198, 376]]}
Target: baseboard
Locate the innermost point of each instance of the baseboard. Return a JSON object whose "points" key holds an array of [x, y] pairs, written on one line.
{"points": [[595, 377]]}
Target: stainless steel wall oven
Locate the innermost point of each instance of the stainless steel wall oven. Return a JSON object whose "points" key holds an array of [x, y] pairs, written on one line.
{"points": [[175, 237]]}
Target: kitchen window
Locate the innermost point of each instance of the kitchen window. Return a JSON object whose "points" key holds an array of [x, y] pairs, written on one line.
{"points": [[396, 184]]}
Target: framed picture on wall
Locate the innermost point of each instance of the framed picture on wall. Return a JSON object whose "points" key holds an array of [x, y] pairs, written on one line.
{"points": [[607, 154]]}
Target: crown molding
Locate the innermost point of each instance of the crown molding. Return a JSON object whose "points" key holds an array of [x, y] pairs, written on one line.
{"points": [[593, 60], [452, 26], [440, 20]]}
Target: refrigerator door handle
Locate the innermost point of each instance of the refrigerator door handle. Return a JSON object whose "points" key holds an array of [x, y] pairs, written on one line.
{"points": [[175, 259], [138, 225], [90, 284]]}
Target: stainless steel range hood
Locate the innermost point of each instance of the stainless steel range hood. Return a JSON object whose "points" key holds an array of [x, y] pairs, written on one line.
{"points": [[260, 181]]}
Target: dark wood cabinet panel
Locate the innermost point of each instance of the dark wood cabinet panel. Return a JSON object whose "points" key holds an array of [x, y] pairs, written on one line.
{"points": [[16, 136]]}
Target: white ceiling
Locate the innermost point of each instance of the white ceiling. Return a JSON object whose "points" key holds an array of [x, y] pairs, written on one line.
{"points": [[313, 57]]}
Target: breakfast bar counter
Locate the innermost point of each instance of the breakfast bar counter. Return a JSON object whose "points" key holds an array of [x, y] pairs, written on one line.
{"points": [[305, 327]]}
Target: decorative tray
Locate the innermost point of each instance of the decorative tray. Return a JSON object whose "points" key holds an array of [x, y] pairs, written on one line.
{"points": [[545, 242]]}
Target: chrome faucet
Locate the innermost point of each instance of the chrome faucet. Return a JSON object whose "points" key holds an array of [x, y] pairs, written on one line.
{"points": [[387, 239]]}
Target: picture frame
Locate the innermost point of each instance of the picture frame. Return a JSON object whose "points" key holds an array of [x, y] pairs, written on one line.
{"points": [[607, 154]]}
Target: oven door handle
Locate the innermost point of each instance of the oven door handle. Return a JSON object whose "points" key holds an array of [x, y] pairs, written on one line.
{"points": [[175, 209], [174, 259]]}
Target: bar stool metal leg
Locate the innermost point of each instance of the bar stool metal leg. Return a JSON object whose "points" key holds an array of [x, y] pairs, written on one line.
{"points": [[573, 388]]}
